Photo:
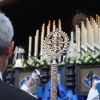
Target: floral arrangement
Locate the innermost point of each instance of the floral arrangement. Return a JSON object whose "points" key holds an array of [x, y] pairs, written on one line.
{"points": [[87, 58], [35, 62]]}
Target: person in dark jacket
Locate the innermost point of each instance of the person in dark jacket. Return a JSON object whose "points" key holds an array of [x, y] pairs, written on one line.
{"points": [[8, 92]]}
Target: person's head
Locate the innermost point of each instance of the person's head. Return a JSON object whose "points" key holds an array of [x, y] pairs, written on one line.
{"points": [[6, 43]]}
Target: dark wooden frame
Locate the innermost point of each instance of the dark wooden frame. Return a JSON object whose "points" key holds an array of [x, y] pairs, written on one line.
{"points": [[18, 71], [78, 76], [16, 75]]}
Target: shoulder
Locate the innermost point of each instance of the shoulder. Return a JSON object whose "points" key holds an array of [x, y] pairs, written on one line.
{"points": [[13, 93]]}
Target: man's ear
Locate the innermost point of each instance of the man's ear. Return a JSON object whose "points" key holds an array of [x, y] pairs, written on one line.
{"points": [[9, 50]]}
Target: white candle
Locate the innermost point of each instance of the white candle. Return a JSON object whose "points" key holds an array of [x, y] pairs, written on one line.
{"points": [[36, 42], [41, 49], [49, 24], [48, 30], [91, 20], [53, 26], [85, 34], [76, 31], [30, 44], [78, 38], [99, 37], [82, 38], [72, 36], [96, 18], [43, 30], [92, 39], [35, 47], [99, 22], [59, 25]]}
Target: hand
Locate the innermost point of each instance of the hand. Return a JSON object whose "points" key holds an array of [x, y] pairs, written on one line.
{"points": [[37, 72], [35, 75], [96, 82]]}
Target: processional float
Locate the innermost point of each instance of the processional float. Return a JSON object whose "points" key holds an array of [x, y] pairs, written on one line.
{"points": [[54, 45]]}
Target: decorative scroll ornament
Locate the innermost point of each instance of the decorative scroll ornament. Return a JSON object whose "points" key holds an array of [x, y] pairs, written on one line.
{"points": [[54, 45]]}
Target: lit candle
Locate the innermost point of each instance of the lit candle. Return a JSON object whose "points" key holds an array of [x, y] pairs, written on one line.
{"points": [[48, 29], [82, 38], [53, 26], [41, 49], [85, 34], [72, 36], [97, 34], [59, 25], [96, 18], [99, 38], [30, 44], [49, 24], [43, 30], [78, 38], [98, 22], [36, 42], [76, 27], [92, 39]]}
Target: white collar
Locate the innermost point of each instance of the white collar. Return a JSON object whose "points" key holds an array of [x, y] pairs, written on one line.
{"points": [[1, 76]]}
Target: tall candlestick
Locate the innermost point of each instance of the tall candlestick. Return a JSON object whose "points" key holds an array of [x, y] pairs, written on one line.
{"points": [[99, 38], [82, 37], [49, 24], [59, 25], [30, 44], [41, 49], [36, 43], [72, 36], [78, 39], [92, 39], [76, 30], [98, 22], [43, 30], [48, 29], [85, 34], [53, 26], [96, 18]]}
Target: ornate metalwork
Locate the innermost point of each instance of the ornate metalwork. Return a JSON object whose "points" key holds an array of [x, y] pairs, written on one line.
{"points": [[54, 45]]}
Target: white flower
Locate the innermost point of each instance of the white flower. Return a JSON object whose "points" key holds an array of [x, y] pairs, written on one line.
{"points": [[91, 61], [85, 61], [94, 56], [42, 63], [37, 65], [25, 65], [80, 62], [33, 64], [88, 57], [30, 61], [62, 63], [77, 61], [71, 62], [97, 60], [48, 63]]}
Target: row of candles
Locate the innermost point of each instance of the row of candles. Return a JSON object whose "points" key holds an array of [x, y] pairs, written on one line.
{"points": [[36, 42], [88, 36]]}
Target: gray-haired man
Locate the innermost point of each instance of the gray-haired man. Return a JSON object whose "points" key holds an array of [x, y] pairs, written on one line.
{"points": [[8, 92]]}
